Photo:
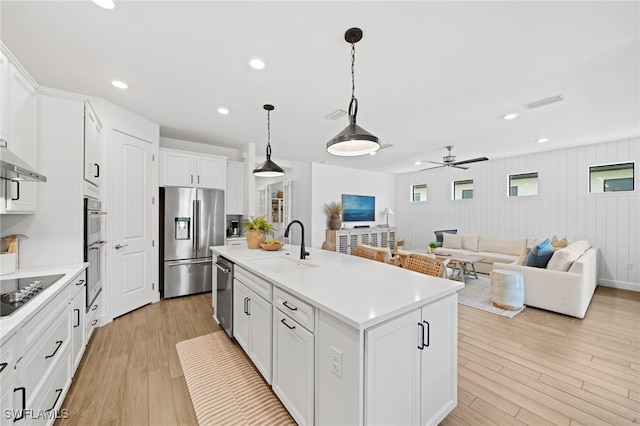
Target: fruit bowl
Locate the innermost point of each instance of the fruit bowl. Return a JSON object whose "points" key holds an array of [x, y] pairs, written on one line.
{"points": [[272, 245]]}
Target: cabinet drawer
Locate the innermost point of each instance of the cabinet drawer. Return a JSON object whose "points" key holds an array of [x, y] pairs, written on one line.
{"points": [[48, 351], [300, 311], [262, 287], [92, 317], [48, 399], [34, 328], [77, 284]]}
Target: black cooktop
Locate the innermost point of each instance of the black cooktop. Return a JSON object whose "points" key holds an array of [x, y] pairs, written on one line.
{"points": [[16, 292]]}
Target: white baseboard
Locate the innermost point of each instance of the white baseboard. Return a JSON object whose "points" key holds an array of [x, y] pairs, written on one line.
{"points": [[619, 284]]}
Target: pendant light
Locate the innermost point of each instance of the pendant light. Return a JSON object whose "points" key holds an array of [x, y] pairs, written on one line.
{"points": [[353, 140], [268, 168]]}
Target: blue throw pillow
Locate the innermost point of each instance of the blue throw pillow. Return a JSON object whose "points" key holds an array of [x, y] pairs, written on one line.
{"points": [[540, 255]]}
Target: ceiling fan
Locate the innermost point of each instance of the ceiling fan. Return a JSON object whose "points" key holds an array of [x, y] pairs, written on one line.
{"points": [[450, 161]]}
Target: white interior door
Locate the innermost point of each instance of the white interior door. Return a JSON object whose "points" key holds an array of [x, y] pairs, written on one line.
{"points": [[131, 212]]}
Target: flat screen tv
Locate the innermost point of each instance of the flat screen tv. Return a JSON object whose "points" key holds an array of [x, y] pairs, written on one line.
{"points": [[358, 208]]}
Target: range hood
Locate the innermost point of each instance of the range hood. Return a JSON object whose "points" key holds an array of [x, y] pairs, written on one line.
{"points": [[12, 167]]}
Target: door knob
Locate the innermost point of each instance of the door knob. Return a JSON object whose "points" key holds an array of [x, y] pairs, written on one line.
{"points": [[118, 246]]}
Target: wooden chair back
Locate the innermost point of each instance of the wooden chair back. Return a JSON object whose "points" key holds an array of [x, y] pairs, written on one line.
{"points": [[326, 245], [364, 251], [424, 264]]}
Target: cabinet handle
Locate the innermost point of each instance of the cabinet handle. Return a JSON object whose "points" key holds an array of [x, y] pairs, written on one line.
{"points": [[94, 307], [59, 343], [428, 334], [95, 321], [191, 178], [80, 282], [97, 173], [77, 311], [59, 392], [248, 312], [3, 366], [198, 179], [292, 308], [24, 402], [288, 326], [245, 306], [17, 190], [421, 341]]}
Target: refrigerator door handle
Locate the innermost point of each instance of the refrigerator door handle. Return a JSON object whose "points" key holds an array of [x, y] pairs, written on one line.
{"points": [[194, 225], [189, 262], [197, 233]]}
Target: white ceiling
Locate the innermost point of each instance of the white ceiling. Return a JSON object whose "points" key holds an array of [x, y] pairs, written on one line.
{"points": [[428, 74]]}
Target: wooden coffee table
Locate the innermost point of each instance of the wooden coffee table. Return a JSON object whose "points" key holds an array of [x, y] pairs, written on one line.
{"points": [[461, 263]]}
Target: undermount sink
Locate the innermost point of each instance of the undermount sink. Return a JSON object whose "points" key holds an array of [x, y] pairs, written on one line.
{"points": [[283, 264]]}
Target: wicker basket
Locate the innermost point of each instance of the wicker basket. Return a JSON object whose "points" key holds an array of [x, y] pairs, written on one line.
{"points": [[271, 247]]}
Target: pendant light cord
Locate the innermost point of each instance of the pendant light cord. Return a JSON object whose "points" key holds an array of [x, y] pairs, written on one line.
{"points": [[268, 135], [353, 105]]}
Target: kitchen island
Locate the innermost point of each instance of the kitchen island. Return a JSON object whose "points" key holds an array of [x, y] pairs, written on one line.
{"points": [[346, 340]]}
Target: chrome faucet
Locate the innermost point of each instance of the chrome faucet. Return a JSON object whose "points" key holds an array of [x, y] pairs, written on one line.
{"points": [[303, 252]]}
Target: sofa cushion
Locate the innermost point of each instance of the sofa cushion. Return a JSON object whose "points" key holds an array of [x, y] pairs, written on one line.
{"points": [[470, 242], [540, 255], [491, 258], [453, 241], [558, 243], [511, 246], [563, 258], [523, 256]]}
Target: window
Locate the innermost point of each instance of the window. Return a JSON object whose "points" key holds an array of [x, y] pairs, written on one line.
{"points": [[419, 192], [611, 178], [462, 189], [524, 184]]}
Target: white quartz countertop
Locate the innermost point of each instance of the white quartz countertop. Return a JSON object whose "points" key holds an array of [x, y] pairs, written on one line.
{"points": [[12, 322], [360, 292]]}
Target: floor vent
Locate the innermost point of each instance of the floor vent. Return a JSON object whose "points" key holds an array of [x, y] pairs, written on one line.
{"points": [[544, 102]]}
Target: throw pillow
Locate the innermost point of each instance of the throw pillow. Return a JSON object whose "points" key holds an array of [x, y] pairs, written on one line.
{"points": [[452, 241], [564, 258], [523, 256], [540, 255], [557, 243]]}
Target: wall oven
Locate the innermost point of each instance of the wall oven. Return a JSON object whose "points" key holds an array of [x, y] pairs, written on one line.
{"points": [[93, 247]]}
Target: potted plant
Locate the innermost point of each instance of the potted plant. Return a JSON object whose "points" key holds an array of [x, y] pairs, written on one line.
{"points": [[433, 246], [334, 210], [257, 229]]}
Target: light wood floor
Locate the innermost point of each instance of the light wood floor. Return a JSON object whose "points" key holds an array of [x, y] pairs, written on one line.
{"points": [[537, 368]]}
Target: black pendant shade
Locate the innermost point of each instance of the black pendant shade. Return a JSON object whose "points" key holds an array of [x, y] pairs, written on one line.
{"points": [[268, 168], [353, 140]]}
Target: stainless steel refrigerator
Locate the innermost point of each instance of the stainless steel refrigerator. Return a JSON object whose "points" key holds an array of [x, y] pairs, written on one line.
{"points": [[193, 220]]}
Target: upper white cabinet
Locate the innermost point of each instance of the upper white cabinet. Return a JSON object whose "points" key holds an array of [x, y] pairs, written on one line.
{"points": [[92, 148], [234, 190], [18, 129], [182, 168]]}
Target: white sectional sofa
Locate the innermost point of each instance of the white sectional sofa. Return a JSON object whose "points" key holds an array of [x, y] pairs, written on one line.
{"points": [[566, 286]]}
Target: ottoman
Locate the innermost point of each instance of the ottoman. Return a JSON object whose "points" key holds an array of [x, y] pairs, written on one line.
{"points": [[507, 289]]}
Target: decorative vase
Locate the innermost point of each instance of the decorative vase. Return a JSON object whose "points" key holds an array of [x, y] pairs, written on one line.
{"points": [[254, 238], [335, 223]]}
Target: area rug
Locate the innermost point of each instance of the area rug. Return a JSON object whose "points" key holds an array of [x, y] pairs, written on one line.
{"points": [[477, 294], [224, 386]]}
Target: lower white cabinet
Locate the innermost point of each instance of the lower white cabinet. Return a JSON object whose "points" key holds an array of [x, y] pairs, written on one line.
{"points": [[411, 366], [293, 368], [78, 323], [252, 327], [91, 317]]}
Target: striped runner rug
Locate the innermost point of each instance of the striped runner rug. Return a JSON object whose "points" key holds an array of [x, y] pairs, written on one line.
{"points": [[224, 386]]}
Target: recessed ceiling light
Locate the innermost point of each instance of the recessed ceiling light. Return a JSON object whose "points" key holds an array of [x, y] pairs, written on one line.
{"points": [[105, 4], [417, 163], [510, 116], [120, 84], [223, 111], [256, 63], [542, 140]]}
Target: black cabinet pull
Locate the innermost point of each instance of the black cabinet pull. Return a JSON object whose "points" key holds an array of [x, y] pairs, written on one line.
{"points": [[288, 326], [80, 282], [97, 173], [248, 311], [421, 342], [59, 392], [24, 402], [245, 305], [77, 311], [428, 334], [94, 307], [17, 190], [292, 308], [3, 366], [94, 322], [59, 343]]}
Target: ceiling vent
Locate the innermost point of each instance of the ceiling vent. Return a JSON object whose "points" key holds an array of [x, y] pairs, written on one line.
{"points": [[544, 102], [339, 113]]}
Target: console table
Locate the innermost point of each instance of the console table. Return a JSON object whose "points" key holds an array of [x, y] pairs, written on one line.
{"points": [[345, 240]]}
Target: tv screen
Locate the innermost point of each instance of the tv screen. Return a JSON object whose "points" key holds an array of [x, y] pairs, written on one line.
{"points": [[358, 208]]}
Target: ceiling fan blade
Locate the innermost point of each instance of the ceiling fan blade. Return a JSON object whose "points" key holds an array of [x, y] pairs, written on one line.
{"points": [[459, 167], [435, 162], [431, 168], [473, 160]]}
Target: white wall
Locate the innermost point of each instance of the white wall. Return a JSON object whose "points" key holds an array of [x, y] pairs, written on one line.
{"points": [[230, 153], [562, 207], [329, 182]]}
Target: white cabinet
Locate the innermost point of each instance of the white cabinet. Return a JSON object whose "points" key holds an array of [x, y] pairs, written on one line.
{"points": [[235, 191], [92, 150], [9, 351], [293, 356], [91, 317], [18, 129], [345, 240], [411, 366], [78, 319], [181, 168]]}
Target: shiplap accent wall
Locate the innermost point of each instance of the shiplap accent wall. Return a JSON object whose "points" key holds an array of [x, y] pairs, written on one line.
{"points": [[563, 206]]}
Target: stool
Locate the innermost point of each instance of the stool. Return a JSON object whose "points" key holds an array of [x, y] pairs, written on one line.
{"points": [[507, 289]]}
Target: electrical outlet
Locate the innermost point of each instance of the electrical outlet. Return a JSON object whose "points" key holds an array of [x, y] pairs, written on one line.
{"points": [[629, 266], [336, 362]]}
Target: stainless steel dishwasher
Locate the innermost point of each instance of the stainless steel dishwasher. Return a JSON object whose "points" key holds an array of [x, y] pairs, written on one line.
{"points": [[224, 294]]}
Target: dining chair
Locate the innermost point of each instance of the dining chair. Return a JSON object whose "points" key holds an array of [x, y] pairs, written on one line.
{"points": [[326, 245], [365, 251], [425, 264]]}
